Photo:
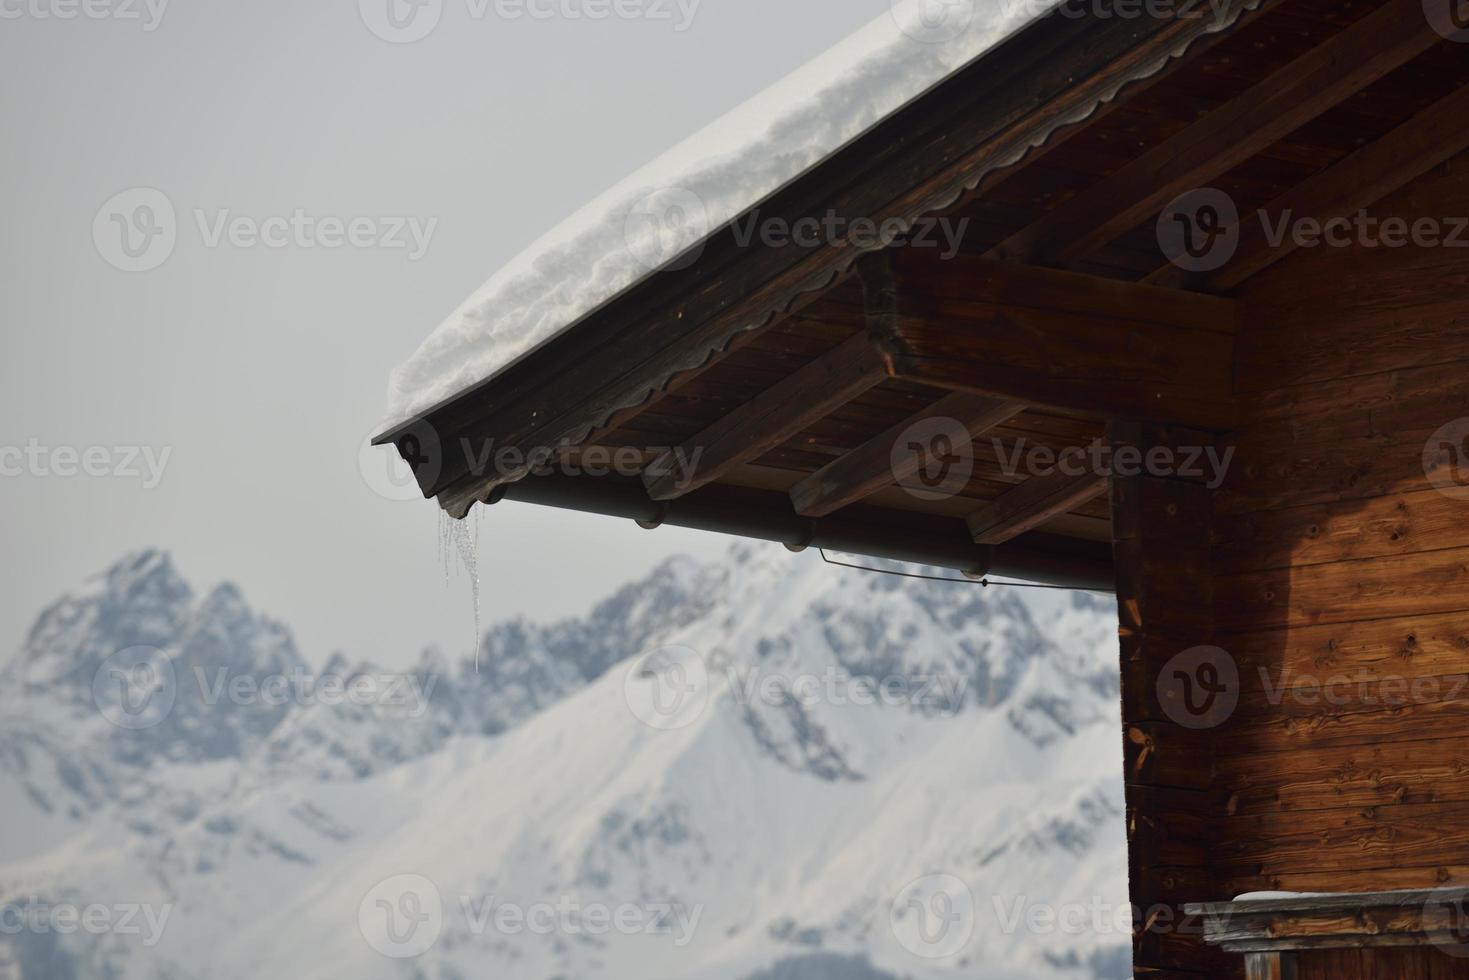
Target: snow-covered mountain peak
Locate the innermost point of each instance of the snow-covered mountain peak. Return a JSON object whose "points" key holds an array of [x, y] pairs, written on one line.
{"points": [[774, 747]]}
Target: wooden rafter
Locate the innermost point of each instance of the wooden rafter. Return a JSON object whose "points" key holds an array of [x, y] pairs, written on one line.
{"points": [[1228, 136], [768, 419], [1031, 504], [873, 465], [1063, 339], [1362, 179]]}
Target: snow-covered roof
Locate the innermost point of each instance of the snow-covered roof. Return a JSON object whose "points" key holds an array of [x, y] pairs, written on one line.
{"points": [[674, 202]]}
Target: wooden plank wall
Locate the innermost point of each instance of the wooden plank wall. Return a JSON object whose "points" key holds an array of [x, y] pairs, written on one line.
{"points": [[1340, 580], [1424, 963], [1337, 560]]}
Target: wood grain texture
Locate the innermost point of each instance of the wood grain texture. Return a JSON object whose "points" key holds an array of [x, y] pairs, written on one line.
{"points": [[1428, 139], [1058, 338], [1164, 596], [769, 419], [1258, 117], [873, 466], [1032, 504]]}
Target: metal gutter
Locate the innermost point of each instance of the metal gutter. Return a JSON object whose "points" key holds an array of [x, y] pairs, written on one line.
{"points": [[878, 532]]}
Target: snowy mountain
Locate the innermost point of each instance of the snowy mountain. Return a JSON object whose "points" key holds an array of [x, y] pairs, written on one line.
{"points": [[760, 769]]}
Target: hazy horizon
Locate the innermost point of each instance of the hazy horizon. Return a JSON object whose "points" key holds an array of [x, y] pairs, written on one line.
{"points": [[253, 374]]}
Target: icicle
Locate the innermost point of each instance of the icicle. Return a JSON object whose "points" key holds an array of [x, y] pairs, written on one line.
{"points": [[457, 538], [465, 541]]}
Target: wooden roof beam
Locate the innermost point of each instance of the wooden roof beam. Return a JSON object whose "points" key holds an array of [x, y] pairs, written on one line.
{"points": [[1367, 176], [1031, 504], [874, 466], [1228, 136], [1045, 337], [769, 419]]}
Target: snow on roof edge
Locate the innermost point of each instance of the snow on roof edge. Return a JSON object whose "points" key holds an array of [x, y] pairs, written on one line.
{"points": [[675, 201]]}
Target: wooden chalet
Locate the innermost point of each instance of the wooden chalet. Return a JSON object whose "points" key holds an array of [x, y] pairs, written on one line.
{"points": [[1320, 592]]}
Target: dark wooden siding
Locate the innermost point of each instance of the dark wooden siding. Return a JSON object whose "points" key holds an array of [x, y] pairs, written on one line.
{"points": [[1336, 559]]}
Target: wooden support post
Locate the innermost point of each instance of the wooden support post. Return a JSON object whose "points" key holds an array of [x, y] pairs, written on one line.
{"points": [[1165, 602]]}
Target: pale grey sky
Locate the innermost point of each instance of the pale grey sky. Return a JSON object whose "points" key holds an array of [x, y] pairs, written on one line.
{"points": [[260, 370]]}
